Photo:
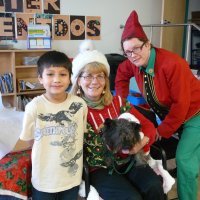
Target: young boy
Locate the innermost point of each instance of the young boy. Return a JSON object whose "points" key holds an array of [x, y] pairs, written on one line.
{"points": [[54, 123]]}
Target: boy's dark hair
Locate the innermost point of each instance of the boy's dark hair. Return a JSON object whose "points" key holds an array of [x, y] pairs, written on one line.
{"points": [[54, 59]]}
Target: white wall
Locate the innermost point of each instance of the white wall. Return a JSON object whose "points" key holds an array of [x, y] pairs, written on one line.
{"points": [[113, 13]]}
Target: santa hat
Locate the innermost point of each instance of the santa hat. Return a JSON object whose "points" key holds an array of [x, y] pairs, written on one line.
{"points": [[87, 55], [129, 117], [133, 28]]}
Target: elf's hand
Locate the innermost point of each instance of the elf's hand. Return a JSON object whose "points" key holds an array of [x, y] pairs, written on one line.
{"points": [[136, 148], [158, 137], [133, 150]]}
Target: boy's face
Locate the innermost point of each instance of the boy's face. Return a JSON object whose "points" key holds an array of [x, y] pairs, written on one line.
{"points": [[55, 80]]}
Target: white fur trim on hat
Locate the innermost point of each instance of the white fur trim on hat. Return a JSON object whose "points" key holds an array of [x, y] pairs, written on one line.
{"points": [[129, 117], [87, 55]]}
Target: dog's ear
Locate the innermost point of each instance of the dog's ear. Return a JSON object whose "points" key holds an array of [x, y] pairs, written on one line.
{"points": [[136, 126], [108, 122]]}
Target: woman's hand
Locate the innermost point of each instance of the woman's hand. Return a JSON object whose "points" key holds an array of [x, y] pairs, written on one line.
{"points": [[137, 147]]}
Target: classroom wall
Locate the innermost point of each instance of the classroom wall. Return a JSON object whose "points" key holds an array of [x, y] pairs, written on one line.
{"points": [[113, 13]]}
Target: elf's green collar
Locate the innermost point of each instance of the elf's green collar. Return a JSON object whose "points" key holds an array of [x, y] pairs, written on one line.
{"points": [[150, 67]]}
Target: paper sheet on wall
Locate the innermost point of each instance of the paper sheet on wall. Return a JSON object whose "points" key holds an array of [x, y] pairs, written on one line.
{"points": [[11, 126]]}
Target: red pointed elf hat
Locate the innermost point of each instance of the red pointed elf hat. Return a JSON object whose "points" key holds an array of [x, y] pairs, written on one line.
{"points": [[133, 28]]}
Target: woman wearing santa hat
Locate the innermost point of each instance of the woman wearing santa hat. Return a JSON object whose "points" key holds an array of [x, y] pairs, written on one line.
{"points": [[172, 92], [90, 80]]}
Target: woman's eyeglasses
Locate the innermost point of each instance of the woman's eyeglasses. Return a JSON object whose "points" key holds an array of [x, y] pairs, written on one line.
{"points": [[136, 50], [90, 78]]}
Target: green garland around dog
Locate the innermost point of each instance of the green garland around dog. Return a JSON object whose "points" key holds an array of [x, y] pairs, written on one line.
{"points": [[96, 153]]}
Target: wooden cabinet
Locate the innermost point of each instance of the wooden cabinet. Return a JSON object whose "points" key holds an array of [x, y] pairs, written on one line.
{"points": [[6, 66], [15, 62]]}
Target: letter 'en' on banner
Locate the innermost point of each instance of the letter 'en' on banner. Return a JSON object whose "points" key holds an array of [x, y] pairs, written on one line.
{"points": [[77, 27], [61, 27], [23, 20], [7, 24], [31, 6], [93, 27]]}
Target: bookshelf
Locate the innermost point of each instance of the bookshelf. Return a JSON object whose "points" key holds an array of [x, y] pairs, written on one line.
{"points": [[15, 62]]}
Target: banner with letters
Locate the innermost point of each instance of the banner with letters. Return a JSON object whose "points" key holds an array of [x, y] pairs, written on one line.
{"points": [[17, 15]]}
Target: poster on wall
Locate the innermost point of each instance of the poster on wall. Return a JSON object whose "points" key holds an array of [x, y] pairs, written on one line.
{"points": [[39, 37], [14, 6], [2, 8], [61, 27], [23, 20], [77, 27], [7, 24], [93, 27], [51, 6], [44, 19], [32, 6]]}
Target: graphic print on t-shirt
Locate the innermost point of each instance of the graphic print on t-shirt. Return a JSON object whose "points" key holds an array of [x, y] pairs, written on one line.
{"points": [[62, 124], [61, 115]]}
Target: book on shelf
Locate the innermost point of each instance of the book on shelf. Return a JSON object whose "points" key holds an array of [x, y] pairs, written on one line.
{"points": [[28, 84], [6, 83], [22, 101]]}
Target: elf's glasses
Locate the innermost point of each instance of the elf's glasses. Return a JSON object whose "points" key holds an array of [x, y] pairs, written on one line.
{"points": [[135, 50]]}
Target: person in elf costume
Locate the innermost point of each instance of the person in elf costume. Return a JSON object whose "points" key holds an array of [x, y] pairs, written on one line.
{"points": [[90, 80], [172, 92]]}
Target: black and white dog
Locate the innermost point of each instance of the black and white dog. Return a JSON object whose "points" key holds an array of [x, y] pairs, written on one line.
{"points": [[122, 134]]}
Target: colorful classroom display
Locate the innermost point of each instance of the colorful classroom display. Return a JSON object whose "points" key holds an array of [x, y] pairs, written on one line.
{"points": [[17, 15]]}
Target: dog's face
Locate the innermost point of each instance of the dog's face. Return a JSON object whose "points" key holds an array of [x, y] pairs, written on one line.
{"points": [[120, 134]]}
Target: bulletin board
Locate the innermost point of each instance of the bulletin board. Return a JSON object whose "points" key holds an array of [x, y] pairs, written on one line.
{"points": [[15, 16]]}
